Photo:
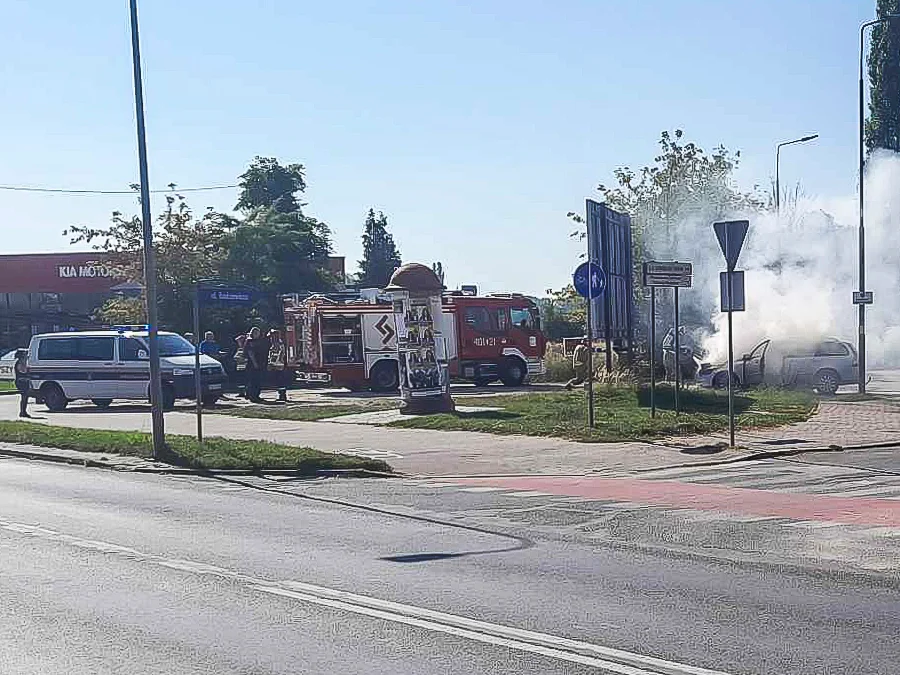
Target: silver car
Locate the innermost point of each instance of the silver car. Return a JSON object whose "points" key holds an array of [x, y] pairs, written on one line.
{"points": [[824, 366]]}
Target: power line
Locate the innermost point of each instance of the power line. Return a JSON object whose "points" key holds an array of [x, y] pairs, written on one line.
{"points": [[25, 188]]}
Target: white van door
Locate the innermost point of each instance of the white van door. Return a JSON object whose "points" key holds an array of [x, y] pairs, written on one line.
{"points": [[134, 369], [96, 356]]}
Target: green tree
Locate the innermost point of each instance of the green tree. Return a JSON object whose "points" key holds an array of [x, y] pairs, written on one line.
{"points": [[279, 252], [380, 254], [883, 126], [187, 249], [562, 313], [268, 184]]}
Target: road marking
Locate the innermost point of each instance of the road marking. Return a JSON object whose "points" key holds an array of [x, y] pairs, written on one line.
{"points": [[481, 488], [552, 646], [371, 453]]}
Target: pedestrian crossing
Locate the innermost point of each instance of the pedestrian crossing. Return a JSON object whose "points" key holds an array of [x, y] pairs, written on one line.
{"points": [[787, 476]]}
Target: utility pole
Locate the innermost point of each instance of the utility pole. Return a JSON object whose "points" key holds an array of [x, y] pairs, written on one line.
{"points": [[156, 412]]}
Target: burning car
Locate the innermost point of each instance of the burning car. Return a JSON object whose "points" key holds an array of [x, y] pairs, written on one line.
{"points": [[822, 365]]}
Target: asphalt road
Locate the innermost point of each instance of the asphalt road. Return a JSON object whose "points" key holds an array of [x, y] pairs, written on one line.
{"points": [[103, 572]]}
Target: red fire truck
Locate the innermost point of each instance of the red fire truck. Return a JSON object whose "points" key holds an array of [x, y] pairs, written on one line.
{"points": [[351, 341]]}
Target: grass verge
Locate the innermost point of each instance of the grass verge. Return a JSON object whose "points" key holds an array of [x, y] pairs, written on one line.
{"points": [[7, 385], [214, 453], [621, 413]]}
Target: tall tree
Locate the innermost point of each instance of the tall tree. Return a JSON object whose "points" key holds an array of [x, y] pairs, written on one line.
{"points": [[187, 248], [380, 254], [268, 184], [883, 126]]}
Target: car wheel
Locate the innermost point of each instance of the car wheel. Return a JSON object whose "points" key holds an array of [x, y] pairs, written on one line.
{"points": [[827, 382], [483, 381], [53, 397], [513, 371], [384, 376], [102, 403]]}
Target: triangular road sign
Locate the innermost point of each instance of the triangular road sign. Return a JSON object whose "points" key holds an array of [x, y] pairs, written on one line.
{"points": [[731, 235]]}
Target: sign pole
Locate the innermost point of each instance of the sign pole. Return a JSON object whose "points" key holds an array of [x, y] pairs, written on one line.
{"points": [[653, 351], [197, 385], [730, 361], [590, 332], [677, 356]]}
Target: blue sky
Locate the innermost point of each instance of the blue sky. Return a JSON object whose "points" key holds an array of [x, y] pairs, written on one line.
{"points": [[475, 126]]}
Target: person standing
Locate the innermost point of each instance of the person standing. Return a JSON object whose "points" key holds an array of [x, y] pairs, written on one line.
{"points": [[257, 350], [278, 363], [209, 346], [23, 383], [579, 364]]}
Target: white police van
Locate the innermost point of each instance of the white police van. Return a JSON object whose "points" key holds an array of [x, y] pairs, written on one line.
{"points": [[106, 365]]}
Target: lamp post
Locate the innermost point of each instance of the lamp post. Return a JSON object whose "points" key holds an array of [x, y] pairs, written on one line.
{"points": [[862, 222], [778, 166], [156, 412]]}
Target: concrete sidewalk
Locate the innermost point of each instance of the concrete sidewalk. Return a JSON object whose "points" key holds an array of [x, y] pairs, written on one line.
{"points": [[444, 453]]}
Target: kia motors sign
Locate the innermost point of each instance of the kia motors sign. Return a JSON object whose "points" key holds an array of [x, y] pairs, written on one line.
{"points": [[84, 272]]}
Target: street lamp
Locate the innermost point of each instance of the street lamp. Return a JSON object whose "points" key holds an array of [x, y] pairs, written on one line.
{"points": [[778, 167], [862, 225], [156, 412]]}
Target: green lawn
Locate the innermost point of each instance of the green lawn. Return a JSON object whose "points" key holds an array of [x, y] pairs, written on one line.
{"points": [[621, 413], [214, 453], [7, 385]]}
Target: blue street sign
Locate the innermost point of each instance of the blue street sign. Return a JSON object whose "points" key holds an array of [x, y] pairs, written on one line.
{"points": [[226, 296], [589, 280]]}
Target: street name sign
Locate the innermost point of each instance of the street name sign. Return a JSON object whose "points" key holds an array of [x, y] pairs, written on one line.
{"points": [[667, 274]]}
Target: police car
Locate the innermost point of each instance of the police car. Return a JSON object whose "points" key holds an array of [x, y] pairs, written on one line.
{"points": [[107, 365]]}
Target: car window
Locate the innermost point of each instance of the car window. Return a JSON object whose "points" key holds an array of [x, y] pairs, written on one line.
{"points": [[95, 348], [58, 349], [522, 318], [129, 348], [832, 348]]}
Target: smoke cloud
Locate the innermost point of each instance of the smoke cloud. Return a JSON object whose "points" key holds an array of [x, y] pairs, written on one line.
{"points": [[801, 269]]}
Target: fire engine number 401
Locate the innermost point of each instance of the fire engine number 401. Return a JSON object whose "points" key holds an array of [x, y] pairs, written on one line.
{"points": [[485, 342]]}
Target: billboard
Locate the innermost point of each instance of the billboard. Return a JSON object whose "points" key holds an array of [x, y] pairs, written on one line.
{"points": [[56, 273], [609, 236]]}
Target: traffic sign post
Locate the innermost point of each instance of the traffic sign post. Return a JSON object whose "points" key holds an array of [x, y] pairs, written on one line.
{"points": [[590, 282], [210, 291], [672, 275], [731, 235]]}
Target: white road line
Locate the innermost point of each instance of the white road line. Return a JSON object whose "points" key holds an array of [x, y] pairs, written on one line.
{"points": [[552, 646], [480, 488]]}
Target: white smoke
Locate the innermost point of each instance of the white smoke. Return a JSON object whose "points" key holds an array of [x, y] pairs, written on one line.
{"points": [[801, 270]]}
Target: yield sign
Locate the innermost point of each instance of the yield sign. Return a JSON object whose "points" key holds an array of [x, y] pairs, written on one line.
{"points": [[731, 235]]}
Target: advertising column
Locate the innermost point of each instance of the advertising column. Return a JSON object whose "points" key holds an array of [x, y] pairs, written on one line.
{"points": [[422, 354]]}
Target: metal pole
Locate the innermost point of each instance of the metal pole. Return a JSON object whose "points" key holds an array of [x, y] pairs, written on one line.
{"points": [[653, 351], [730, 364], [677, 356], [157, 421], [861, 345], [590, 326], [198, 389], [778, 178]]}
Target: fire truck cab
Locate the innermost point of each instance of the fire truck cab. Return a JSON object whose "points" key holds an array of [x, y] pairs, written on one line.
{"points": [[351, 340]]}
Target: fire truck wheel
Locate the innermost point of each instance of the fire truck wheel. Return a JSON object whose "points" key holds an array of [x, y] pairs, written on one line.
{"points": [[384, 376], [513, 371]]}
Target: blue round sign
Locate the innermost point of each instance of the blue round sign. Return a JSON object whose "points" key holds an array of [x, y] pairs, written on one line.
{"points": [[589, 280]]}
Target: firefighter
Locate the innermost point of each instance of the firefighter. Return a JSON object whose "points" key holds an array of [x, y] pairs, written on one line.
{"points": [[579, 364], [278, 363], [257, 350]]}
